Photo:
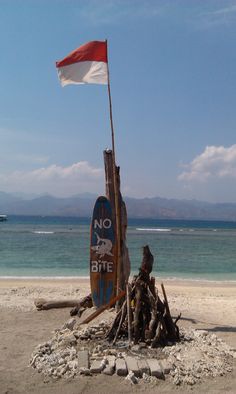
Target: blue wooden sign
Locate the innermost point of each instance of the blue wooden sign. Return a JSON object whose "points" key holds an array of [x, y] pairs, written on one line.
{"points": [[103, 269]]}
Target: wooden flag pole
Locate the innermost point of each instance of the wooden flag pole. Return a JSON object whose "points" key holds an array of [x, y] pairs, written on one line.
{"points": [[117, 205]]}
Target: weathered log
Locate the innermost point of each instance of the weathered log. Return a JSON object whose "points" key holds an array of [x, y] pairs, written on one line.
{"points": [[124, 263], [43, 304], [125, 260]]}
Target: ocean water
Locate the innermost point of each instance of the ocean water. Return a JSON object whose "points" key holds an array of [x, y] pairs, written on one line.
{"points": [[59, 247]]}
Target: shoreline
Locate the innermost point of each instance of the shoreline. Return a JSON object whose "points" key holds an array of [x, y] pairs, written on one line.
{"points": [[86, 279], [21, 292]]}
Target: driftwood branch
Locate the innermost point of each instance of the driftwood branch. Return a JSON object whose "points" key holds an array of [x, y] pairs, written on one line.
{"points": [[129, 313], [171, 326], [123, 316], [103, 308]]}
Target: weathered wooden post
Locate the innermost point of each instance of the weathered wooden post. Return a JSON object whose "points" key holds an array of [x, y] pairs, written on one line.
{"points": [[124, 263]]}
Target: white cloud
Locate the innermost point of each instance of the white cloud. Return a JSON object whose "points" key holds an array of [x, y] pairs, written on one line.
{"points": [[216, 17], [226, 10], [54, 179], [216, 162]]}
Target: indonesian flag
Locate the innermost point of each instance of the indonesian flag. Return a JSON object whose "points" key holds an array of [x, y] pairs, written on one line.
{"points": [[86, 64]]}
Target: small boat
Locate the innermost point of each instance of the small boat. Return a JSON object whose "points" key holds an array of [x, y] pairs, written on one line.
{"points": [[3, 218]]}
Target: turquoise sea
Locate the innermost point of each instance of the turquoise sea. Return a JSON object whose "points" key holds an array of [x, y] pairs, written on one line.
{"points": [[59, 247]]}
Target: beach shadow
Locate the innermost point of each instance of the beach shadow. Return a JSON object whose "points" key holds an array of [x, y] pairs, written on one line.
{"points": [[219, 329], [215, 327]]}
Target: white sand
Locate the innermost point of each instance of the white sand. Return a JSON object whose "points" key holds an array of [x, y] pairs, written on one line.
{"points": [[208, 305]]}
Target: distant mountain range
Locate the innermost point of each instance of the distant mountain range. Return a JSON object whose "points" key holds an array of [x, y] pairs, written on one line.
{"points": [[81, 205]]}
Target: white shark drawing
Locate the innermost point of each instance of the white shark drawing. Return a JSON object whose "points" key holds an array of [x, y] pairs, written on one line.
{"points": [[103, 246]]}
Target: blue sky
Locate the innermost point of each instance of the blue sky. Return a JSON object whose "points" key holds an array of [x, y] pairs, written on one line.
{"points": [[173, 79]]}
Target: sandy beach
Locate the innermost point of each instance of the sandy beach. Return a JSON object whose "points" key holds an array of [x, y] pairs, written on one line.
{"points": [[204, 305]]}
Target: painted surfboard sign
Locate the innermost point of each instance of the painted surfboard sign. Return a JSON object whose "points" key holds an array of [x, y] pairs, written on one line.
{"points": [[102, 253]]}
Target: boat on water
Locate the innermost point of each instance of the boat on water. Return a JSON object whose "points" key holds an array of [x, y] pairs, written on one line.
{"points": [[3, 218]]}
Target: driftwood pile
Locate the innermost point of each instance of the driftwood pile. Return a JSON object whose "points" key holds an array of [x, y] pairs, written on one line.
{"points": [[144, 317]]}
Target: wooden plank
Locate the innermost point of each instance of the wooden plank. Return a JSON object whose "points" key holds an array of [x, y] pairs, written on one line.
{"points": [[124, 263], [103, 262], [103, 308]]}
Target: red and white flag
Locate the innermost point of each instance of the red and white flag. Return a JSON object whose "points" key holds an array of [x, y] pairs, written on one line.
{"points": [[86, 64]]}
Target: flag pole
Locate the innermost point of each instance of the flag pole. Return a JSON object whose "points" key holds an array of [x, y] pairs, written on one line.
{"points": [[117, 205]]}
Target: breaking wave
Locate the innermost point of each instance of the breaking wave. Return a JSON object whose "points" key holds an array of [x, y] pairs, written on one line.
{"points": [[154, 229], [43, 232]]}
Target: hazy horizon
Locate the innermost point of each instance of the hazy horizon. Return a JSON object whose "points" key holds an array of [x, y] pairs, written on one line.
{"points": [[31, 196]]}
